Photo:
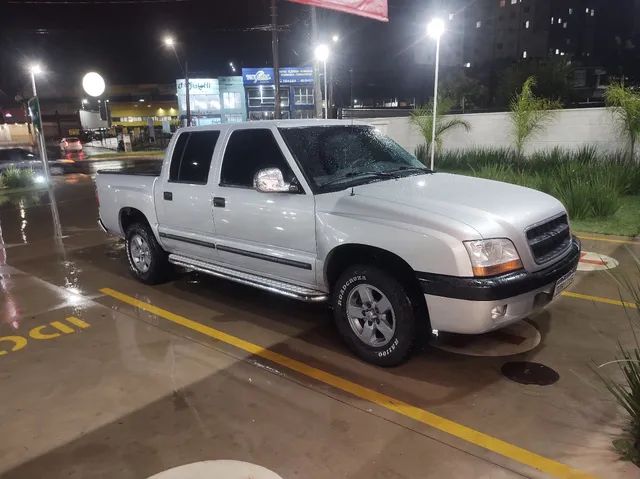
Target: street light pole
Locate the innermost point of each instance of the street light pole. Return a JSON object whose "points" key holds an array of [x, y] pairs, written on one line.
{"points": [[435, 104], [435, 29], [322, 54], [40, 134], [170, 42]]}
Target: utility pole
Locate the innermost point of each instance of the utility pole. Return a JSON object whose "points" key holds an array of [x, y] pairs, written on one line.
{"points": [[186, 81], [276, 62], [317, 89]]}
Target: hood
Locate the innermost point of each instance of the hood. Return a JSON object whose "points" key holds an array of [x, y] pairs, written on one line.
{"points": [[492, 208]]}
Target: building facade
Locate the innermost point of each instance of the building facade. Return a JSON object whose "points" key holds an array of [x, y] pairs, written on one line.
{"points": [[296, 92], [212, 100]]}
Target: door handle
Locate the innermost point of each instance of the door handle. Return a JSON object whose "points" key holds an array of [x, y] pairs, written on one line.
{"points": [[219, 202], [168, 196]]}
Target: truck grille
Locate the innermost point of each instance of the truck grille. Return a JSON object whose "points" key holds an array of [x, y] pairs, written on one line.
{"points": [[549, 239]]}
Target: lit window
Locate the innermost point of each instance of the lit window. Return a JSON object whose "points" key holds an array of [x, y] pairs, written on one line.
{"points": [[564, 25], [570, 11], [478, 24], [593, 12], [503, 3], [451, 15], [559, 20], [513, 2], [467, 65], [552, 20], [526, 24], [231, 99], [524, 54], [586, 10], [561, 54], [303, 96], [557, 51]]}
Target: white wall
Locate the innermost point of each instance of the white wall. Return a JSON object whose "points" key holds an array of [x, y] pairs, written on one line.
{"points": [[568, 129]]}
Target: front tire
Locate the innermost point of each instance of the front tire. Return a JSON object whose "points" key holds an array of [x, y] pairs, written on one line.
{"points": [[374, 315], [148, 262]]}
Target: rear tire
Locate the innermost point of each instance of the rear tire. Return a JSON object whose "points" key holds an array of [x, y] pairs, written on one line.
{"points": [[374, 315], [148, 262]]}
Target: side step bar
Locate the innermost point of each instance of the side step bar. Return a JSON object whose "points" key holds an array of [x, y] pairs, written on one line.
{"points": [[279, 287]]}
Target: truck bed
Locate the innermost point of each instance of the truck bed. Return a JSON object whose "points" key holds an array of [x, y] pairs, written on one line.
{"points": [[151, 168]]}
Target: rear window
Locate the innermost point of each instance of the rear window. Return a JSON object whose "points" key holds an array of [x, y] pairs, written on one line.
{"points": [[73, 139], [192, 156]]}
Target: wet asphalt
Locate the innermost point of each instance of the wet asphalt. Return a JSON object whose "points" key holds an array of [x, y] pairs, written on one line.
{"points": [[95, 387]]}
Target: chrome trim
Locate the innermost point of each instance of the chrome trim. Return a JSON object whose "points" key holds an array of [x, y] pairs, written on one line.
{"points": [[274, 286]]}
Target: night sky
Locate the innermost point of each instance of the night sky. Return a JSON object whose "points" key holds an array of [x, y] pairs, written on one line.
{"points": [[123, 40]]}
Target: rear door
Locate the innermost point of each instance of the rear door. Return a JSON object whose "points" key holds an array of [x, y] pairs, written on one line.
{"points": [[272, 234], [183, 196]]}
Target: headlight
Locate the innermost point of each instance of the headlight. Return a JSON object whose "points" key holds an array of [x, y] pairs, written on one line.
{"points": [[493, 256]]}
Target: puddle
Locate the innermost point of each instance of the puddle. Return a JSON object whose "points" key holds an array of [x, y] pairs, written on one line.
{"points": [[517, 338], [525, 372]]}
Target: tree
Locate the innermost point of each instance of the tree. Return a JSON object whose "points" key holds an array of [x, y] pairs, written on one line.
{"points": [[624, 104], [465, 92], [529, 115], [553, 80], [422, 118]]}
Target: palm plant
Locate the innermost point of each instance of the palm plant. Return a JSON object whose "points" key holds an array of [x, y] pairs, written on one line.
{"points": [[422, 118], [625, 106], [529, 115]]}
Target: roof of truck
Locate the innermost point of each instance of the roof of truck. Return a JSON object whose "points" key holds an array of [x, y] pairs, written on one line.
{"points": [[276, 123]]}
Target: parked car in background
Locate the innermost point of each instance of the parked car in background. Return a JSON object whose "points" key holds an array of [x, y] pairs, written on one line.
{"points": [[20, 158], [71, 143]]}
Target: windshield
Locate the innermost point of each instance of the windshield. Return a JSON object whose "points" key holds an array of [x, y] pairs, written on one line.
{"points": [[336, 157]]}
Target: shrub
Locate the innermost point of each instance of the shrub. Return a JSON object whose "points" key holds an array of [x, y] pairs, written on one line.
{"points": [[17, 178], [627, 390], [422, 154]]}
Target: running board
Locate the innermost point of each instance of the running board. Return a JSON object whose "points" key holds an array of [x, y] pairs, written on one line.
{"points": [[279, 287]]}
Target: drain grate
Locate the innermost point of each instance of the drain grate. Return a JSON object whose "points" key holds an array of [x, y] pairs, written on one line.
{"points": [[525, 372]]}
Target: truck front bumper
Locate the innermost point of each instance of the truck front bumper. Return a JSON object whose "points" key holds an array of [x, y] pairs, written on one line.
{"points": [[477, 305]]}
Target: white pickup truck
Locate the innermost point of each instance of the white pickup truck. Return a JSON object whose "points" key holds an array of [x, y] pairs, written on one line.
{"points": [[335, 211]]}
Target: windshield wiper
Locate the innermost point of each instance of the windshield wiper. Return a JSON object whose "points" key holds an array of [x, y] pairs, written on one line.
{"points": [[412, 169], [353, 175]]}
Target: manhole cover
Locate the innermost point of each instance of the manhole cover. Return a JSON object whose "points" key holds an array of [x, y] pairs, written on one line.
{"points": [[525, 372], [223, 469], [516, 338]]}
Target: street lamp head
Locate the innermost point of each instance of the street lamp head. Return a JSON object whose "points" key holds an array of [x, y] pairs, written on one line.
{"points": [[35, 68], [335, 38], [435, 28], [322, 53], [85, 101], [169, 41]]}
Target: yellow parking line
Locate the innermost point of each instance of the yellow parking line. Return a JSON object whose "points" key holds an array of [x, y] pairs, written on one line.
{"points": [[598, 299], [460, 431], [608, 240]]}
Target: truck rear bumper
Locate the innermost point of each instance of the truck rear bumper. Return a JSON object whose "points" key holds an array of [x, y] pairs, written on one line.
{"points": [[478, 305]]}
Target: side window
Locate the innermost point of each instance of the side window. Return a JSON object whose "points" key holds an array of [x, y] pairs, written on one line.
{"points": [[192, 155], [249, 151]]}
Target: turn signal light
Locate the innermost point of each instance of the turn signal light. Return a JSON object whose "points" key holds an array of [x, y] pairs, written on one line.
{"points": [[496, 269]]}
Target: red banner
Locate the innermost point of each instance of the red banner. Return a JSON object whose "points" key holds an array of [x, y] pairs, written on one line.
{"points": [[376, 9]]}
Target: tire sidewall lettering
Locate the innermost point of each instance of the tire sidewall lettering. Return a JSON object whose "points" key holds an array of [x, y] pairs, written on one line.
{"points": [[345, 286], [390, 349]]}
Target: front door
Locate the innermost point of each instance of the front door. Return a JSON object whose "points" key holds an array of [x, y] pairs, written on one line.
{"points": [[272, 234], [183, 199]]}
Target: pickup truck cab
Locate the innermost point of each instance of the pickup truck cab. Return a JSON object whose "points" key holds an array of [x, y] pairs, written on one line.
{"points": [[335, 211]]}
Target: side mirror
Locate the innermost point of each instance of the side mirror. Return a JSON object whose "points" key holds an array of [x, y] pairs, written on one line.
{"points": [[270, 180]]}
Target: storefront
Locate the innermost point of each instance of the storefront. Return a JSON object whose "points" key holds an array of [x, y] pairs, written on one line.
{"points": [[212, 100], [296, 92]]}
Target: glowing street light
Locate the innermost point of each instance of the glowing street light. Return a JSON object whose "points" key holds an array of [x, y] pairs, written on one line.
{"points": [[322, 55], [93, 84], [170, 42], [435, 29], [335, 38]]}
